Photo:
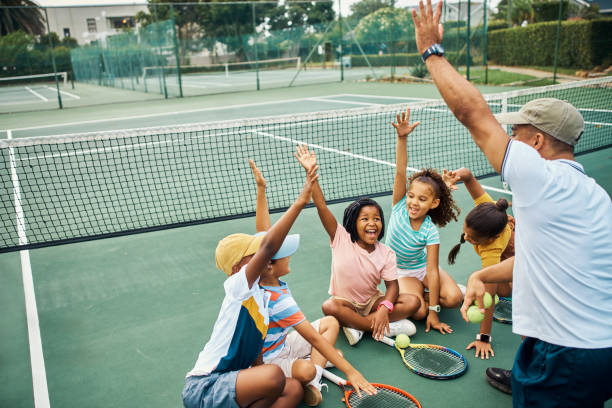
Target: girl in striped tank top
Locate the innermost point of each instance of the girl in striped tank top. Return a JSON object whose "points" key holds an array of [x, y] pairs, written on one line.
{"points": [[419, 205]]}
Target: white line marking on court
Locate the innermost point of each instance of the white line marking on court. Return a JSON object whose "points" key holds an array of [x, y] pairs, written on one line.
{"points": [[325, 99], [356, 156], [39, 376], [63, 92], [402, 98], [213, 108], [33, 92]]}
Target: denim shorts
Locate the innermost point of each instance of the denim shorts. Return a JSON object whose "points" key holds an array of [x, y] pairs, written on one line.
{"points": [[547, 375], [213, 390]]}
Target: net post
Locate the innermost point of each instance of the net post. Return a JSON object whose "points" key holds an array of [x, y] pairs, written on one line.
{"points": [[59, 95], [176, 51]]}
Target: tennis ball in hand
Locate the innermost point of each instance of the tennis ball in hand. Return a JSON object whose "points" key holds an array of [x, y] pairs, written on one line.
{"points": [[402, 340], [487, 299], [474, 314]]}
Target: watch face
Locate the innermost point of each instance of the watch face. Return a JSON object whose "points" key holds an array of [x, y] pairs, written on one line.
{"points": [[439, 49], [484, 337]]}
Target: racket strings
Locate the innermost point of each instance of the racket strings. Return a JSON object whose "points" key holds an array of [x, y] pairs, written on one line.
{"points": [[437, 361], [383, 398]]}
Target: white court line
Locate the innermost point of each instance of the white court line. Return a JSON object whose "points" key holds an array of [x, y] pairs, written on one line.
{"points": [[325, 99], [33, 92], [356, 156], [39, 375], [63, 92], [214, 108]]}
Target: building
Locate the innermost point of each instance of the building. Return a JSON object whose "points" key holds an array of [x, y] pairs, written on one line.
{"points": [[87, 24]]}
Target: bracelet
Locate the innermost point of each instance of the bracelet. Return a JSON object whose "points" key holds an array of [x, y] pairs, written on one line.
{"points": [[386, 304]]}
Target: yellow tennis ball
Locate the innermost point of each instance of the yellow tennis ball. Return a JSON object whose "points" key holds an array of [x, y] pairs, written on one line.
{"points": [[474, 314], [487, 299], [496, 299], [402, 340]]}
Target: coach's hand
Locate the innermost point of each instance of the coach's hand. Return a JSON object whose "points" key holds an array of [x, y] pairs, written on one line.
{"points": [[427, 26]]}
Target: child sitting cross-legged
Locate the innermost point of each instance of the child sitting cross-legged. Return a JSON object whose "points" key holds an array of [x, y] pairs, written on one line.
{"points": [[301, 353], [359, 263], [222, 375]]}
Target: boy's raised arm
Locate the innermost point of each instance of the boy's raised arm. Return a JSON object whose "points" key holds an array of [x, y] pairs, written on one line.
{"points": [[307, 160], [273, 240]]}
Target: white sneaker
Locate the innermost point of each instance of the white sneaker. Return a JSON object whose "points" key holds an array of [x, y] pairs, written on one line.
{"points": [[462, 289], [404, 326], [352, 335], [312, 394]]}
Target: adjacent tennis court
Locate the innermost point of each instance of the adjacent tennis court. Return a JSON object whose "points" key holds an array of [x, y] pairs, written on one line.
{"points": [[119, 321]]}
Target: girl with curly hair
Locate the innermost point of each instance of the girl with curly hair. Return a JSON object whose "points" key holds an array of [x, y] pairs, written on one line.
{"points": [[427, 202]]}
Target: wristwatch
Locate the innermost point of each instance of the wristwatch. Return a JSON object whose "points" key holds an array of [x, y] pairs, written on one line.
{"points": [[386, 304], [435, 49], [435, 308], [485, 338]]}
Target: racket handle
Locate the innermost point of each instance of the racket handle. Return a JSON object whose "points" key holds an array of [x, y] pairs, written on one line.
{"points": [[333, 377], [388, 341]]}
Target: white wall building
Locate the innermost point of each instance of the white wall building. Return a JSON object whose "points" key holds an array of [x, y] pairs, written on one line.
{"points": [[92, 23]]}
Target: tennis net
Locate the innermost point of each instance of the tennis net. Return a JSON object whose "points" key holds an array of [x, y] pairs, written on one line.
{"points": [[86, 186]]}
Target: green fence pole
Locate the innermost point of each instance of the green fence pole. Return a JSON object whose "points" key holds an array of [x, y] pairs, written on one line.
{"points": [[255, 45], [59, 95], [176, 51], [509, 17], [557, 42], [467, 56], [341, 35], [157, 31], [458, 36], [484, 57]]}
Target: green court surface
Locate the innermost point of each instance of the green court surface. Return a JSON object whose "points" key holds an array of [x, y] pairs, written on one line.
{"points": [[123, 319]]}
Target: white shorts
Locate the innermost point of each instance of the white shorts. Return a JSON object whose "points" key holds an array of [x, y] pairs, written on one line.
{"points": [[412, 273], [296, 347]]}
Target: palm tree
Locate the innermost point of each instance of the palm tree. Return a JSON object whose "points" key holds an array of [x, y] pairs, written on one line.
{"points": [[21, 15]]}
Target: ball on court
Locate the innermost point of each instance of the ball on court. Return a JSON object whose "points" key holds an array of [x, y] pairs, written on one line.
{"points": [[487, 299], [474, 314], [496, 299], [402, 340]]}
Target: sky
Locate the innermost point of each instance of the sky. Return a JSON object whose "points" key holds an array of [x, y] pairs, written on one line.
{"points": [[346, 4]]}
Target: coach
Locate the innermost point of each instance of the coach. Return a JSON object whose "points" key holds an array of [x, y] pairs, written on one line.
{"points": [[562, 271]]}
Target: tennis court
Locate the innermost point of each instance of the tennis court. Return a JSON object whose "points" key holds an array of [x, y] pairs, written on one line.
{"points": [[119, 321]]}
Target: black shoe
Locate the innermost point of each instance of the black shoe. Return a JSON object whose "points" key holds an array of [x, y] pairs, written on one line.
{"points": [[500, 379]]}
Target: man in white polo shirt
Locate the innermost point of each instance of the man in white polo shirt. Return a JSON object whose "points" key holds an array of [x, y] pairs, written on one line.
{"points": [[562, 271]]}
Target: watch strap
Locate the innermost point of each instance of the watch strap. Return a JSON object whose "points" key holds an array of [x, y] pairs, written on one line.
{"points": [[386, 304]]}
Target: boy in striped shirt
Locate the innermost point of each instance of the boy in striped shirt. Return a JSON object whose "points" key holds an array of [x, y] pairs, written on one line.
{"points": [[290, 349]]}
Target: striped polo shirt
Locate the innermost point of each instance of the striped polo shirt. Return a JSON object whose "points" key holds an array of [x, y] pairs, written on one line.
{"points": [[284, 314], [408, 244]]}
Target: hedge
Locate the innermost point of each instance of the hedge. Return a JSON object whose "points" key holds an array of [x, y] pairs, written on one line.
{"points": [[583, 44]]}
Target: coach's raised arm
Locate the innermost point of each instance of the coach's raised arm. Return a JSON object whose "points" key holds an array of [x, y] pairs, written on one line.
{"points": [[462, 98]]}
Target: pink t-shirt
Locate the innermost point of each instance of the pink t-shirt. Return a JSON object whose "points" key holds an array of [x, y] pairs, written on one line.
{"points": [[356, 272]]}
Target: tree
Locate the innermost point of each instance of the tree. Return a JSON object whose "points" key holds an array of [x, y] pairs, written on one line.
{"points": [[28, 18], [384, 26]]}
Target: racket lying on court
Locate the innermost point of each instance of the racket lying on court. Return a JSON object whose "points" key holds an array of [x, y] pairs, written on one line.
{"points": [[431, 361], [503, 311], [386, 395]]}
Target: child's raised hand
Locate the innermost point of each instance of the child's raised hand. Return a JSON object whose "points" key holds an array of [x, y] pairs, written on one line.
{"points": [[311, 177], [450, 179], [307, 159], [259, 178], [403, 126]]}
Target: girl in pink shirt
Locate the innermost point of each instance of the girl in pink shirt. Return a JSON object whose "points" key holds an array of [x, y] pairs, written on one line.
{"points": [[359, 263]]}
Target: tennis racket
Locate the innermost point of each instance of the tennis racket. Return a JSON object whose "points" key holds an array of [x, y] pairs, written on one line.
{"points": [[503, 311], [431, 361], [386, 395]]}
